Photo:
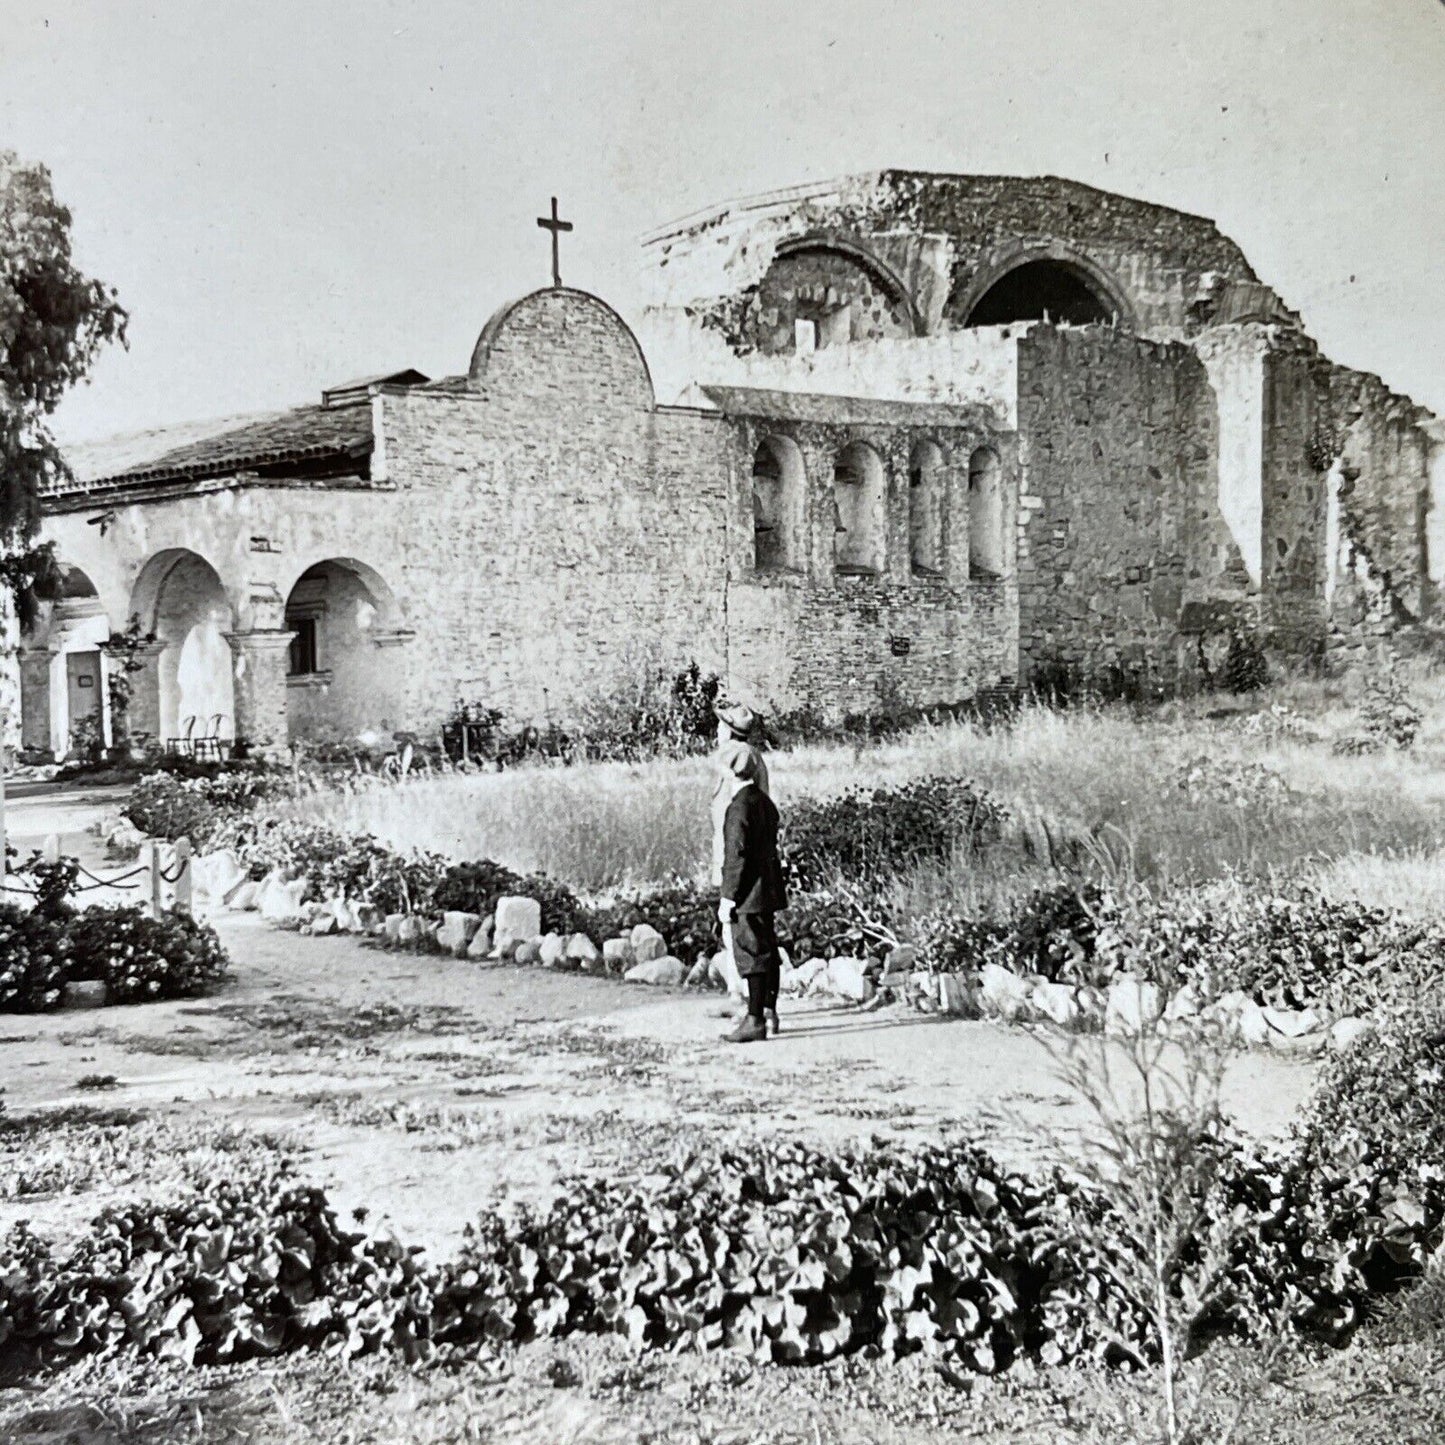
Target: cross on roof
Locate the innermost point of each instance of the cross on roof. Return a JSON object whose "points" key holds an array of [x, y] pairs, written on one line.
{"points": [[555, 226]]}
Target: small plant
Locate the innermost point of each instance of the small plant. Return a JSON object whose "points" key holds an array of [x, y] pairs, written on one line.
{"points": [[87, 742], [97, 1082], [124, 650], [1246, 669], [1389, 714]]}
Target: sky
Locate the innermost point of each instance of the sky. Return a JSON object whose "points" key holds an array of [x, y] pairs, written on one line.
{"points": [[290, 193]]}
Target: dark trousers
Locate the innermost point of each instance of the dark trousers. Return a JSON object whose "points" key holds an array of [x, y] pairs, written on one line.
{"points": [[755, 951], [763, 992]]}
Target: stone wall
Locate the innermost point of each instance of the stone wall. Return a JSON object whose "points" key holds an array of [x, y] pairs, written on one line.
{"points": [[557, 529], [947, 237], [840, 644], [1119, 528], [1379, 572]]}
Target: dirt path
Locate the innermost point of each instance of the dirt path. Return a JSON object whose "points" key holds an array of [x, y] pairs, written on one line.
{"points": [[421, 1088]]}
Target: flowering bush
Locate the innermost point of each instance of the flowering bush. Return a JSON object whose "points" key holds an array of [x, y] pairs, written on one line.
{"points": [[35, 957], [142, 958], [163, 805]]}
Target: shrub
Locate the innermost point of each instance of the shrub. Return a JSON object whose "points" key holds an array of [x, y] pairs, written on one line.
{"points": [[475, 887], [165, 805], [143, 959], [35, 954], [1374, 1142], [863, 834], [684, 913]]}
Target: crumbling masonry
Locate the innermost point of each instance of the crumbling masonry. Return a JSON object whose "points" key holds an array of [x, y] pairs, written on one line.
{"points": [[899, 438]]}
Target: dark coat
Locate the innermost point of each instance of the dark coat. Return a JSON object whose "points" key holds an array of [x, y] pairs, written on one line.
{"points": [[752, 872]]}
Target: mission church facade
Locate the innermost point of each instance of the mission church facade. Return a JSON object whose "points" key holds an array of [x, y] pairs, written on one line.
{"points": [[903, 435]]}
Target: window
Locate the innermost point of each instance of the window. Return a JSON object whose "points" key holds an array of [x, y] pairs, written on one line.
{"points": [[777, 505], [985, 515], [805, 337], [304, 659], [858, 511], [925, 510]]}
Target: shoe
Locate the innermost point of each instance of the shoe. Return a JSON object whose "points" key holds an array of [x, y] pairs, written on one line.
{"points": [[770, 1018], [749, 1031]]}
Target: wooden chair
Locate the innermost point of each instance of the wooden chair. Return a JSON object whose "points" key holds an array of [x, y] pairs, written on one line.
{"points": [[185, 745], [212, 744]]}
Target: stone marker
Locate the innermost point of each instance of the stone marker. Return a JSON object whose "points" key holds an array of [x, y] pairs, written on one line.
{"points": [[322, 924], [516, 920], [1055, 1002], [457, 931], [953, 994], [582, 952], [391, 926], [85, 993], [530, 951], [618, 952], [480, 945], [246, 898], [218, 874], [847, 977], [366, 917], [726, 973], [1132, 1003], [666, 971], [1346, 1032], [647, 943], [281, 902], [551, 950], [1292, 1023], [697, 976], [1001, 992], [411, 930]]}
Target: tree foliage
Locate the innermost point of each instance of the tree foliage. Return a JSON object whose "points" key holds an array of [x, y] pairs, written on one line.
{"points": [[53, 322]]}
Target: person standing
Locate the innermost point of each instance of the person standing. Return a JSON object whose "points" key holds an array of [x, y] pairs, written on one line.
{"points": [[737, 726], [752, 893]]}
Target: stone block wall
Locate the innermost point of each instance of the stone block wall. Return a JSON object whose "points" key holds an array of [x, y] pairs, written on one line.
{"points": [[1378, 558], [1119, 525], [840, 644], [556, 530]]}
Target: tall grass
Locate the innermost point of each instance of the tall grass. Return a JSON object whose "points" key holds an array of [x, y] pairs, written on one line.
{"points": [[1097, 789]]}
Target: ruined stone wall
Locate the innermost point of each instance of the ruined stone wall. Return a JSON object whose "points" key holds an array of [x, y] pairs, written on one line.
{"points": [[841, 644], [843, 300], [1378, 572], [1119, 529], [947, 237]]}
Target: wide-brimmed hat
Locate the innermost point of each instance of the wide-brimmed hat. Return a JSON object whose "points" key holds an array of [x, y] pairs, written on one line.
{"points": [[740, 718]]}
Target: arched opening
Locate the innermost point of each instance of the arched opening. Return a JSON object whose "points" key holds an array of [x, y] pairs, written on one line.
{"points": [[64, 700], [985, 514], [180, 598], [858, 507], [1043, 290], [778, 487], [819, 294], [925, 510], [342, 680]]}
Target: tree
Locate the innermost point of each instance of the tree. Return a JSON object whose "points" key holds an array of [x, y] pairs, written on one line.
{"points": [[53, 322]]}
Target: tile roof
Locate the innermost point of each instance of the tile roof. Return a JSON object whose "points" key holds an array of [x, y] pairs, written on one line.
{"points": [[196, 450], [839, 410]]}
